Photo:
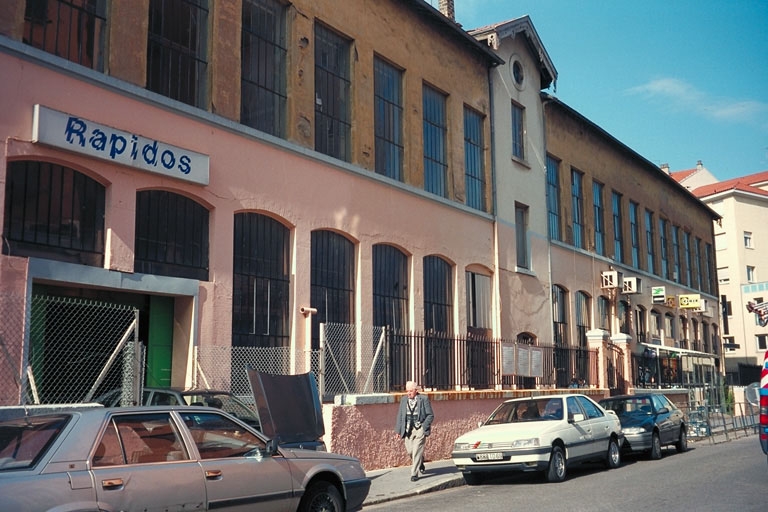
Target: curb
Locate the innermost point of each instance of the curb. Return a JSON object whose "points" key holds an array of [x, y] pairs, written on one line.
{"points": [[455, 481]]}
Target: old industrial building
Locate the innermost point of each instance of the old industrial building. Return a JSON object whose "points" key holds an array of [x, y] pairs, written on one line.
{"points": [[371, 193], [632, 260]]}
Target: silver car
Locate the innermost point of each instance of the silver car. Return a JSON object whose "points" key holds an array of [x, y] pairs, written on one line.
{"points": [[165, 458]]}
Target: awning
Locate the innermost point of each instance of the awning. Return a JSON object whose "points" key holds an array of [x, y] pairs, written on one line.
{"points": [[684, 351]]}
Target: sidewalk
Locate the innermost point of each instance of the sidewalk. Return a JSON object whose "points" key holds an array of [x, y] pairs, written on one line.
{"points": [[395, 483]]}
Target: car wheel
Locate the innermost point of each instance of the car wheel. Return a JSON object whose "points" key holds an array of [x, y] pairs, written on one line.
{"points": [[556, 468], [473, 478], [682, 443], [613, 459], [322, 497], [655, 446]]}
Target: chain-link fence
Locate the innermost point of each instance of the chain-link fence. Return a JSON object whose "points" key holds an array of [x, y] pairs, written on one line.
{"points": [[72, 350], [12, 360]]}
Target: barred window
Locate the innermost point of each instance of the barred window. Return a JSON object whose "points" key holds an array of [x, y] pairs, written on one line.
{"points": [[388, 112], [553, 197], [664, 248], [73, 29], [577, 207], [618, 226], [177, 50], [171, 235], [332, 102], [474, 163], [390, 287], [599, 213], [53, 212], [634, 230], [435, 138], [332, 286], [261, 279], [438, 295], [263, 62], [560, 315], [650, 242], [583, 321], [478, 301]]}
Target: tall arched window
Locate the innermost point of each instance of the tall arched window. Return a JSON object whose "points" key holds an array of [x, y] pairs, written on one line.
{"points": [[390, 287], [624, 317], [53, 212], [438, 295], [603, 313], [583, 323], [261, 278], [332, 281], [560, 315]]}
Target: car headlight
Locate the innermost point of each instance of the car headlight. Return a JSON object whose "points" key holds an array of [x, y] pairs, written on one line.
{"points": [[635, 430], [526, 443]]}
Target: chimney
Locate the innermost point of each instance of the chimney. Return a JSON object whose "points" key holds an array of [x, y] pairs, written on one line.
{"points": [[665, 168], [699, 165], [446, 7]]}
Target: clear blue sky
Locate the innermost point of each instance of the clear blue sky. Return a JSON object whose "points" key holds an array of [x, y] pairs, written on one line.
{"points": [[675, 80]]}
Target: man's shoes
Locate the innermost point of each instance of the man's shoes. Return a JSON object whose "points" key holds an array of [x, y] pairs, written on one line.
{"points": [[421, 468], [414, 478]]}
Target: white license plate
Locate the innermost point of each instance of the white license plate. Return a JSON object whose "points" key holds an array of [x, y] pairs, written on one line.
{"points": [[489, 456]]}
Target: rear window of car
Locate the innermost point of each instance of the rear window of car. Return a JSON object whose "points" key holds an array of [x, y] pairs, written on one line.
{"points": [[24, 441]]}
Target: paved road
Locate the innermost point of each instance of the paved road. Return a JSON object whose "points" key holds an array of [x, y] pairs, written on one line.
{"points": [[721, 477]]}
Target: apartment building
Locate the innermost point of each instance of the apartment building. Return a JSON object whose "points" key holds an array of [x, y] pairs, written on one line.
{"points": [[235, 174], [632, 261], [742, 271]]}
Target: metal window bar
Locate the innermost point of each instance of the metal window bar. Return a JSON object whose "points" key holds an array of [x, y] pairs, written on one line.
{"points": [[388, 121], [435, 134], [263, 55], [474, 164], [177, 49], [332, 100], [72, 29]]}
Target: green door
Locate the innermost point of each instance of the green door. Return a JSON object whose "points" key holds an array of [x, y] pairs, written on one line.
{"points": [[160, 341]]}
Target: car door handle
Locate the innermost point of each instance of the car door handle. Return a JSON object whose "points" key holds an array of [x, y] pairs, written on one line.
{"points": [[212, 474], [112, 483]]}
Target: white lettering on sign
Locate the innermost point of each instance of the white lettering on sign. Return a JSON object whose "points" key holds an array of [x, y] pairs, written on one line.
{"points": [[97, 140]]}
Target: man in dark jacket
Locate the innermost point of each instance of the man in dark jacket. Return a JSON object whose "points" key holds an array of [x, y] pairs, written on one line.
{"points": [[414, 420]]}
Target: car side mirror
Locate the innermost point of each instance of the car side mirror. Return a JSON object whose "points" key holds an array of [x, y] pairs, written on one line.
{"points": [[272, 445], [663, 410], [576, 418]]}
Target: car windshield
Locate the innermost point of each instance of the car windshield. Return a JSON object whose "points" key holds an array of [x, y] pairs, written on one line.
{"points": [[23, 441], [539, 409], [629, 406]]}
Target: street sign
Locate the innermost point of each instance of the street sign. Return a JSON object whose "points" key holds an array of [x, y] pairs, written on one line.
{"points": [[659, 294], [692, 301]]}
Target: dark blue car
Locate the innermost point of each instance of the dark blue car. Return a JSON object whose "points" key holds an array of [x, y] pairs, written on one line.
{"points": [[649, 421]]}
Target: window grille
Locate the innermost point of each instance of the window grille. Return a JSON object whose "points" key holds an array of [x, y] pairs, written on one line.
{"points": [[72, 29], [474, 163], [388, 112], [438, 293], [177, 50], [171, 235], [261, 279], [332, 281], [553, 197], [332, 102], [435, 136], [390, 287], [53, 212], [263, 55]]}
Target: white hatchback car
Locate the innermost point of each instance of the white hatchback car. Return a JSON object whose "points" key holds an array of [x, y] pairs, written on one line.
{"points": [[543, 433]]}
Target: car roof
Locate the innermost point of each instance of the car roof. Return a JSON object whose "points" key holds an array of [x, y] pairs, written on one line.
{"points": [[545, 397]]}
